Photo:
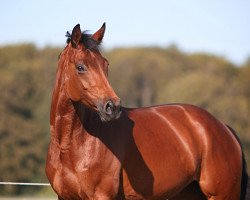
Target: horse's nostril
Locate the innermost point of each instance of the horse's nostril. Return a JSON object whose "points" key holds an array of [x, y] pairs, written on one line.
{"points": [[109, 108]]}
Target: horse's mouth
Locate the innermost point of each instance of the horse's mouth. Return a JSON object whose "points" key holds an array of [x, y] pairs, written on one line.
{"points": [[109, 117]]}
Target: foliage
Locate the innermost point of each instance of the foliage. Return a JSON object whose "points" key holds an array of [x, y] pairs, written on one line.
{"points": [[141, 77], [25, 85]]}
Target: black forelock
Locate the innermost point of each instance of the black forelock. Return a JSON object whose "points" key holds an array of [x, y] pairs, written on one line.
{"points": [[86, 40]]}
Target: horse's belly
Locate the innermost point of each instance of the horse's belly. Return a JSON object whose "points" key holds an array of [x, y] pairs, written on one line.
{"points": [[162, 178], [155, 170], [172, 172]]}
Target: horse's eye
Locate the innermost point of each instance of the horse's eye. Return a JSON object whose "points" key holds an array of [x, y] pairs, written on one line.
{"points": [[81, 68]]}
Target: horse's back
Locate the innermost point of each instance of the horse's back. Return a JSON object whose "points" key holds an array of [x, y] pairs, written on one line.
{"points": [[181, 143]]}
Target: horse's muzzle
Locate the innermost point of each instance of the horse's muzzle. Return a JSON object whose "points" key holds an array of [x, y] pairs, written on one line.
{"points": [[110, 110]]}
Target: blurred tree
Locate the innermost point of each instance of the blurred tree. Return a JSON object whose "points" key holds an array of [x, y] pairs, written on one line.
{"points": [[244, 79], [25, 85], [213, 93], [138, 73]]}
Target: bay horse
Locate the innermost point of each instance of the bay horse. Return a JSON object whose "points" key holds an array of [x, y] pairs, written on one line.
{"points": [[100, 150]]}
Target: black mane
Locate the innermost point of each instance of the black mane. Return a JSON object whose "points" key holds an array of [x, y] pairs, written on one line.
{"points": [[86, 40]]}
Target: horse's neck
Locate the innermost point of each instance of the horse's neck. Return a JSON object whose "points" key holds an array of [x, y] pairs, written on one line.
{"points": [[63, 120], [68, 119]]}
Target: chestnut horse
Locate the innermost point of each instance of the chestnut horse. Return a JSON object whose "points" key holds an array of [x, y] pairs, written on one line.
{"points": [[100, 150]]}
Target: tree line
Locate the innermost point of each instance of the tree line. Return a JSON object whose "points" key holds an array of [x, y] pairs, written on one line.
{"points": [[140, 76]]}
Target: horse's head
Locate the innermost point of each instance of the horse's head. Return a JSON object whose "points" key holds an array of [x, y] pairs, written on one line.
{"points": [[86, 74]]}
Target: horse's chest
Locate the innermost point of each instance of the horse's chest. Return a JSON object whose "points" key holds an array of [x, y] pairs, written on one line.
{"points": [[74, 181], [68, 185], [79, 178]]}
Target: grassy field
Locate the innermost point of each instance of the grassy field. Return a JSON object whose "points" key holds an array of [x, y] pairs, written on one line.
{"points": [[45, 194]]}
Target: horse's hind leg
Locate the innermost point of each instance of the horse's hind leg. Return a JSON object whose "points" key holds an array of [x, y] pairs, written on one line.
{"points": [[221, 165], [222, 185], [220, 177]]}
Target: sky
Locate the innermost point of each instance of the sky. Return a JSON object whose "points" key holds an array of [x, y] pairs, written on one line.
{"points": [[220, 27]]}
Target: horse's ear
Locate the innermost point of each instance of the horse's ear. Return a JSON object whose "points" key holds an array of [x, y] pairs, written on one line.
{"points": [[76, 36], [98, 35]]}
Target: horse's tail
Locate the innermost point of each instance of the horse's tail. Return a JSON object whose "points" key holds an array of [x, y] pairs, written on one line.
{"points": [[244, 176], [244, 179]]}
